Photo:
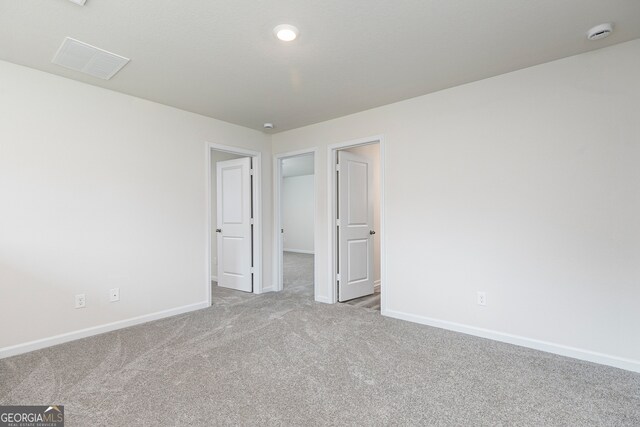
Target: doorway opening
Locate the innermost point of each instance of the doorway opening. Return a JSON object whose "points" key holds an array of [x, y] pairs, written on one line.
{"points": [[356, 255], [294, 222], [234, 222]]}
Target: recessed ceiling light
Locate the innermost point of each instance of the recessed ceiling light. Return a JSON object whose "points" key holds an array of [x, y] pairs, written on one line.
{"points": [[286, 32], [600, 31]]}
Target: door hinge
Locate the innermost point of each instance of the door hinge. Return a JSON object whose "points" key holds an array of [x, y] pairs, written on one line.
{"points": [[338, 277], [252, 270], [250, 171], [251, 221], [338, 168], [338, 222]]}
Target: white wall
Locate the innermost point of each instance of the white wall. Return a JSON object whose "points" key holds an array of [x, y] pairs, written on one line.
{"points": [[216, 156], [298, 206], [525, 186], [371, 152], [101, 190]]}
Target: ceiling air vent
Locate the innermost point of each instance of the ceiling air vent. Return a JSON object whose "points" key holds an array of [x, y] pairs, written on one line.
{"points": [[88, 59]]}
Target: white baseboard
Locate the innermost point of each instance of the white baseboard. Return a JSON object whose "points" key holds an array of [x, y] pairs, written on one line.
{"points": [[299, 251], [96, 330], [549, 347], [324, 300], [214, 278], [268, 289], [376, 286]]}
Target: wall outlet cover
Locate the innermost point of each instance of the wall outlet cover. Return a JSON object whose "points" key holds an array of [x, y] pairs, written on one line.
{"points": [[80, 301], [482, 298]]}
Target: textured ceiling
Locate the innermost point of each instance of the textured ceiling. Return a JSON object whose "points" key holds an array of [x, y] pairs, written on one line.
{"points": [[220, 58]]}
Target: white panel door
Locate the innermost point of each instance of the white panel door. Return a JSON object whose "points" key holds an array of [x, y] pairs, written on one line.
{"points": [[355, 230], [234, 224]]}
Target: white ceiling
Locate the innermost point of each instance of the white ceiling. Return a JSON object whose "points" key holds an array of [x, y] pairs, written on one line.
{"points": [[219, 57], [297, 166]]}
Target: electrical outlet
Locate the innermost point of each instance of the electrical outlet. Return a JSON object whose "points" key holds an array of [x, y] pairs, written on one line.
{"points": [[80, 301], [482, 298], [114, 295]]}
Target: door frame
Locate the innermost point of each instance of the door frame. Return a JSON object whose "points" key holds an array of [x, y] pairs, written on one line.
{"points": [[332, 213], [278, 247], [257, 212]]}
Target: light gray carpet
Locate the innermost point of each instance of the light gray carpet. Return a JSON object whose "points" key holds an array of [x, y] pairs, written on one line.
{"points": [[297, 270], [282, 359], [372, 302]]}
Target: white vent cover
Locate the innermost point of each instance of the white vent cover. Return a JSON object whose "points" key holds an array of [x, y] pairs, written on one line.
{"points": [[88, 59]]}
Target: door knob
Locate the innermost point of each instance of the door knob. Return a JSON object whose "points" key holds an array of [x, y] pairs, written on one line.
{"points": [[218, 230], [372, 232]]}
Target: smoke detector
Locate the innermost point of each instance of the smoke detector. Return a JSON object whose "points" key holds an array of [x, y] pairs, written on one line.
{"points": [[268, 126], [80, 2], [600, 31]]}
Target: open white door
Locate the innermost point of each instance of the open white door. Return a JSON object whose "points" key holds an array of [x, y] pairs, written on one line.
{"points": [[355, 227], [234, 228]]}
